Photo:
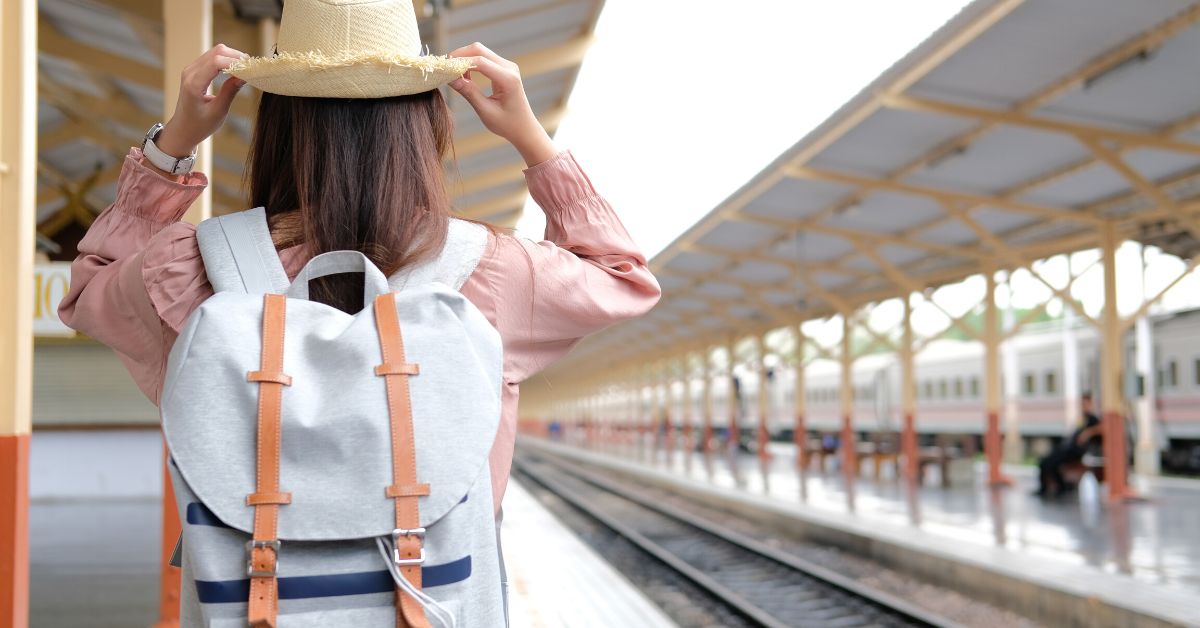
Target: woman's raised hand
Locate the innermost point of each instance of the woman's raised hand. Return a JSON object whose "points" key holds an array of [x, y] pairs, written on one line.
{"points": [[198, 114], [506, 111]]}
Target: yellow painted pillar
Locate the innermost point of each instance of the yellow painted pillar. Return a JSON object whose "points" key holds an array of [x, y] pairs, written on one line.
{"points": [[848, 445], [1111, 349], [801, 429], [992, 444], [908, 395], [18, 189], [187, 34]]}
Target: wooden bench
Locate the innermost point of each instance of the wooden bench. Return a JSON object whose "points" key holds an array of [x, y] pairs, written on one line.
{"points": [[815, 449], [1073, 472]]}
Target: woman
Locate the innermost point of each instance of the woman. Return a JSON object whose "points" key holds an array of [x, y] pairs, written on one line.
{"points": [[139, 274]]}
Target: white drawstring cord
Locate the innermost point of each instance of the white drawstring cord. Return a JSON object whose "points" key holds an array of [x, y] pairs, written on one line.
{"points": [[444, 617]]}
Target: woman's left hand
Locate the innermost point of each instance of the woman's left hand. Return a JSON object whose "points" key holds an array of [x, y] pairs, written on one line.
{"points": [[506, 111]]}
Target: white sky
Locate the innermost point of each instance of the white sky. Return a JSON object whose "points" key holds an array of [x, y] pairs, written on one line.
{"points": [[681, 102]]}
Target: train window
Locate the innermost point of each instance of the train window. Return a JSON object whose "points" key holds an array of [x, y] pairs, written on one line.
{"points": [[928, 389], [1172, 379], [1051, 382], [974, 387], [1196, 371], [1030, 385], [958, 388], [943, 389]]}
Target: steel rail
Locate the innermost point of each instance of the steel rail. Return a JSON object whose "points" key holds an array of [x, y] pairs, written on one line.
{"points": [[879, 599]]}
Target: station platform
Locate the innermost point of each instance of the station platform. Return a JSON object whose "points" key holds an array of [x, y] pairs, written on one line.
{"points": [[94, 563], [1137, 559], [555, 580]]}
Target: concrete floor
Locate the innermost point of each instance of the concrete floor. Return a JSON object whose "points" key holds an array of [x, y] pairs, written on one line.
{"points": [[1155, 541], [94, 563]]}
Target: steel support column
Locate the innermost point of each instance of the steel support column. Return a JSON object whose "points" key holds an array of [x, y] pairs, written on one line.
{"points": [[18, 191], [992, 444], [801, 401], [848, 445], [1111, 350], [908, 397], [764, 399]]}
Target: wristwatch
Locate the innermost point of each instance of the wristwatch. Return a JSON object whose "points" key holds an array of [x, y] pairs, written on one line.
{"points": [[161, 160]]}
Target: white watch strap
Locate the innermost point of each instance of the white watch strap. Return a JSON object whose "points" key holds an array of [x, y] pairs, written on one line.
{"points": [[165, 162]]}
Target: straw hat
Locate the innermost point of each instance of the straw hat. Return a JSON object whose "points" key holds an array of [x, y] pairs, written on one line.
{"points": [[348, 49]]}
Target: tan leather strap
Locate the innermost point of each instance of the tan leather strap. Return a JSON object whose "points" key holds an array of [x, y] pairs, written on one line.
{"points": [[266, 499], [405, 489]]}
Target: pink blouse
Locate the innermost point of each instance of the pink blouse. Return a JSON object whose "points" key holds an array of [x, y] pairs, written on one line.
{"points": [[139, 276]]}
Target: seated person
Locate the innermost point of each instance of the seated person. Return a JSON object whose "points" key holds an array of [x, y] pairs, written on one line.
{"points": [[1070, 450]]}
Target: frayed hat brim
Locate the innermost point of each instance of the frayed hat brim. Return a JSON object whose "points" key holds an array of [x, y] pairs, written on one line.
{"points": [[373, 75]]}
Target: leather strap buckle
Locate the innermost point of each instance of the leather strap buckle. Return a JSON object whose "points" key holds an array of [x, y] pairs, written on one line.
{"points": [[419, 533], [251, 545]]}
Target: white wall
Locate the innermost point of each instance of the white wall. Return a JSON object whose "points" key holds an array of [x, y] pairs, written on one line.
{"points": [[95, 464]]}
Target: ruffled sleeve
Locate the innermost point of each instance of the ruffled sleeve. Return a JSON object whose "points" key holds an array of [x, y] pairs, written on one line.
{"points": [[544, 297], [139, 273], [585, 275]]}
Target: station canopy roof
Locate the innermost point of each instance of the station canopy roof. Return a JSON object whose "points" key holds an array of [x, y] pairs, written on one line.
{"points": [[100, 87], [1014, 133]]}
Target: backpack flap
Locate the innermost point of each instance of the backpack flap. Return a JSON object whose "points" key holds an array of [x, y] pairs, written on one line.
{"points": [[336, 448]]}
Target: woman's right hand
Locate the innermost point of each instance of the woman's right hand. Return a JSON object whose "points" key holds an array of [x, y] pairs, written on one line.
{"points": [[506, 111], [198, 114]]}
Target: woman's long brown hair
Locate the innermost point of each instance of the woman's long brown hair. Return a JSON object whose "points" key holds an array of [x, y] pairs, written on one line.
{"points": [[353, 174]]}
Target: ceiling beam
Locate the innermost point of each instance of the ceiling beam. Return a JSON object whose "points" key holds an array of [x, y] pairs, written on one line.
{"points": [[486, 140], [1150, 140], [54, 43], [509, 202], [508, 173]]}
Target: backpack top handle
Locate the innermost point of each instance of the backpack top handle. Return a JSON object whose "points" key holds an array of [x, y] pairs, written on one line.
{"points": [[334, 262]]}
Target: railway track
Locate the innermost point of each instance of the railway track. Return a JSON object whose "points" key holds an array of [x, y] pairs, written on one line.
{"points": [[763, 585]]}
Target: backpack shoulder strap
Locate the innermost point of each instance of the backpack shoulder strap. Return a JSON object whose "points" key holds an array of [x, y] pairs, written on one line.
{"points": [[239, 255], [465, 245]]}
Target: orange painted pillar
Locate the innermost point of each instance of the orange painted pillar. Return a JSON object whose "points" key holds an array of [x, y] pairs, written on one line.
{"points": [[908, 396], [14, 530], [993, 444], [849, 448], [800, 435], [667, 412], [707, 435], [187, 33], [764, 399], [1111, 352], [733, 432], [688, 408], [169, 577]]}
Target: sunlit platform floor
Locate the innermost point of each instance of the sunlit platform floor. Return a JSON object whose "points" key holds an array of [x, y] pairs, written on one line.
{"points": [[94, 563], [1080, 539]]}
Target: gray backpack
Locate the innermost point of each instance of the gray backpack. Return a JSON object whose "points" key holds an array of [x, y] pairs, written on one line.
{"points": [[332, 470]]}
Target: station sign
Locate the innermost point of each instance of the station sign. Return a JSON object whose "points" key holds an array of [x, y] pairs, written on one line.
{"points": [[51, 282]]}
